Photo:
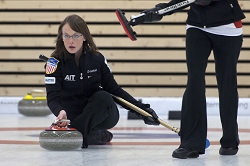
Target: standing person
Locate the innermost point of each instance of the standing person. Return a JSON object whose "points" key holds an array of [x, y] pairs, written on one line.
{"points": [[79, 83], [212, 25]]}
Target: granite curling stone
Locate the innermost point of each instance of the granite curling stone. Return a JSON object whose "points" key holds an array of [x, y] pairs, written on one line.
{"points": [[60, 139], [34, 105]]}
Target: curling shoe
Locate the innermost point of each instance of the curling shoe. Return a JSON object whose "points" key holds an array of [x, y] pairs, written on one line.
{"points": [[228, 151], [104, 137], [110, 136], [99, 137], [184, 153]]}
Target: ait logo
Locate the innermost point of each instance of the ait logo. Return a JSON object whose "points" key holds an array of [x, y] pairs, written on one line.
{"points": [[70, 78]]}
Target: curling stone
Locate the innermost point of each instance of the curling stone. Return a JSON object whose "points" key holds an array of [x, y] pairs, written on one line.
{"points": [[60, 139], [33, 104]]}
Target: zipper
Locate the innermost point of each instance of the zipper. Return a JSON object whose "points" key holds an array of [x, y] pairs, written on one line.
{"points": [[81, 77], [81, 80], [204, 18], [204, 15], [81, 74], [231, 3]]}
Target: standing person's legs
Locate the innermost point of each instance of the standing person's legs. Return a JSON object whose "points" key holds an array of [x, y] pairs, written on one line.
{"points": [[193, 114], [226, 52], [100, 113]]}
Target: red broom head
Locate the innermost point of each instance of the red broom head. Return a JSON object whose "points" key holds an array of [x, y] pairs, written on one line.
{"points": [[125, 24]]}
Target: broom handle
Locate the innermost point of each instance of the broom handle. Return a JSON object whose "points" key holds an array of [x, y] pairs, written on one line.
{"points": [[141, 111], [175, 6]]}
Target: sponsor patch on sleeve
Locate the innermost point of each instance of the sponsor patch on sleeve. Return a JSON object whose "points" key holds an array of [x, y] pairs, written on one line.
{"points": [[50, 80], [51, 65]]}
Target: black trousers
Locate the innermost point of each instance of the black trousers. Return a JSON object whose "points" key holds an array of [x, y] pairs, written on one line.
{"points": [[199, 45], [100, 113]]}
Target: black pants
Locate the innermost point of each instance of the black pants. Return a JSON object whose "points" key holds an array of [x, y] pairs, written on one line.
{"points": [[100, 113], [194, 117]]}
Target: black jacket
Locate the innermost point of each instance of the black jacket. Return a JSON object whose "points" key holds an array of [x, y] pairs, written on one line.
{"points": [[219, 12], [69, 86]]}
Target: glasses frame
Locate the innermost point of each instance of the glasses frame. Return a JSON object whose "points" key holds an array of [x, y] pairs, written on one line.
{"points": [[73, 36]]}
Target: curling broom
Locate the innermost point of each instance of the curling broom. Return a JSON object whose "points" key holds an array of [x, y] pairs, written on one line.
{"points": [[144, 113]]}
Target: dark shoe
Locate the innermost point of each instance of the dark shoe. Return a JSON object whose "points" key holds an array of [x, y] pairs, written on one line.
{"points": [[99, 137], [184, 153], [228, 151], [109, 135], [84, 146]]}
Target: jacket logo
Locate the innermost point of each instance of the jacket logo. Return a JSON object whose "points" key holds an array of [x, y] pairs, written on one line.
{"points": [[51, 65], [92, 71], [50, 80], [70, 78]]}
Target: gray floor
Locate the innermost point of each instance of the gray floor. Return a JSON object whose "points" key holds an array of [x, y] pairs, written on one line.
{"points": [[134, 144]]}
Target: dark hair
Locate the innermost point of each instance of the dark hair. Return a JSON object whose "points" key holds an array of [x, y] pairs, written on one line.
{"points": [[79, 25]]}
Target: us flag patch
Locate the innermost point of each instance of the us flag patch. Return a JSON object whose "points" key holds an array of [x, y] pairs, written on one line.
{"points": [[51, 65]]}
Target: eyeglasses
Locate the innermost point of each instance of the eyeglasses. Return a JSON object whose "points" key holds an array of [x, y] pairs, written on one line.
{"points": [[74, 37]]}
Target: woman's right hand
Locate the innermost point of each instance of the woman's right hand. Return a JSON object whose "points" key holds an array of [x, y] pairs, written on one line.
{"points": [[62, 115]]}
